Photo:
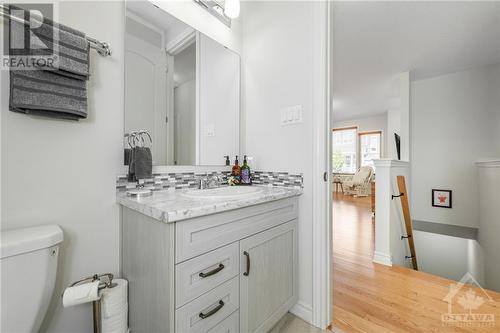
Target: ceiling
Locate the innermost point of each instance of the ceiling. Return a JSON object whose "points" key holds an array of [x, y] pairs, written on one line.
{"points": [[375, 41], [159, 18]]}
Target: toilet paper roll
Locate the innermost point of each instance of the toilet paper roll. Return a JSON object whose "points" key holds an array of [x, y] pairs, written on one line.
{"points": [[117, 323], [114, 299], [82, 293], [115, 308]]}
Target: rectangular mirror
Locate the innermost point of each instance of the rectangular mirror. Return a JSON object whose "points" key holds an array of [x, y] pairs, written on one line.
{"points": [[182, 87]]}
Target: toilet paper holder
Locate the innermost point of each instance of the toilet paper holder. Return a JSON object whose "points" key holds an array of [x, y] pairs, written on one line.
{"points": [[105, 281]]}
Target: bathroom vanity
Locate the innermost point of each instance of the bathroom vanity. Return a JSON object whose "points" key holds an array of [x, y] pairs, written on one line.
{"points": [[218, 260], [203, 262]]}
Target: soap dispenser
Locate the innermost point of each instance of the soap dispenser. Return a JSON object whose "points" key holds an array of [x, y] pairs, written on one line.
{"points": [[236, 171], [228, 162], [246, 178]]}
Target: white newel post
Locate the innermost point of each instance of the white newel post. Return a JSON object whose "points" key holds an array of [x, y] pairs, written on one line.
{"points": [[489, 220], [389, 223]]}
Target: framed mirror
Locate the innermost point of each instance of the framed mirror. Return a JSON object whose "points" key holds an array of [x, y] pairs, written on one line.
{"points": [[181, 87]]}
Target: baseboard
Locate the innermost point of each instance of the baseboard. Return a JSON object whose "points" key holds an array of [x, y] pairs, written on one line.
{"points": [[336, 330], [303, 311], [382, 258]]}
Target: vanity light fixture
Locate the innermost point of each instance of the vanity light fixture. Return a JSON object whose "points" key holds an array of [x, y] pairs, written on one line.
{"points": [[217, 9], [232, 8]]}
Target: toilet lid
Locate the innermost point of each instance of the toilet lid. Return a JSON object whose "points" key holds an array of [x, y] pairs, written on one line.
{"points": [[24, 240]]}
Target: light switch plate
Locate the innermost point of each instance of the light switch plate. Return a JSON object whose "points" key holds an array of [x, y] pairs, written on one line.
{"points": [[210, 130], [291, 115]]}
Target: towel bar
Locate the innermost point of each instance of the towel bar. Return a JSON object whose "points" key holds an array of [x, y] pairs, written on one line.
{"points": [[101, 47]]}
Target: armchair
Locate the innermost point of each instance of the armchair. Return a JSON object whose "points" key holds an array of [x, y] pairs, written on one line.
{"points": [[359, 185]]}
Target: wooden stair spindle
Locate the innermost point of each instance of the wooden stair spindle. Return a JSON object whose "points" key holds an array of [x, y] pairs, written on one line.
{"points": [[408, 222]]}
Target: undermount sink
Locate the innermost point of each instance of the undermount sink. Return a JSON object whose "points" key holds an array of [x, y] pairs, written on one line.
{"points": [[223, 192]]}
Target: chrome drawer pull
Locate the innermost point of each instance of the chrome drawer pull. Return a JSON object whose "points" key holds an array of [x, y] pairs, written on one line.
{"points": [[213, 311], [212, 272]]}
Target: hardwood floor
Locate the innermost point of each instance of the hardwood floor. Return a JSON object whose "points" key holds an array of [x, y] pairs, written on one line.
{"points": [[373, 298]]}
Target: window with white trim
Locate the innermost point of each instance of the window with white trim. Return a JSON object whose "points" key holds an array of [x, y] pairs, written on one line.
{"points": [[369, 147], [344, 147]]}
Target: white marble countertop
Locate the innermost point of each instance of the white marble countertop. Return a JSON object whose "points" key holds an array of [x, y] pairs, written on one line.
{"points": [[172, 205]]}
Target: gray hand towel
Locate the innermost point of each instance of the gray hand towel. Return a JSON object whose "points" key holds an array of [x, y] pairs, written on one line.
{"points": [[131, 166], [44, 93], [126, 156], [57, 91], [143, 163]]}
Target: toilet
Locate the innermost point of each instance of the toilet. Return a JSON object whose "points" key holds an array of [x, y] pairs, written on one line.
{"points": [[28, 265]]}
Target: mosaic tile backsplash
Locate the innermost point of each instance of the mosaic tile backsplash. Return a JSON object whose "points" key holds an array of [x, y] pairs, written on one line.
{"points": [[277, 179], [164, 181]]}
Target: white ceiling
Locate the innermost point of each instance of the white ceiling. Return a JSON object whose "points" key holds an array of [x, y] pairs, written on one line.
{"points": [[375, 41], [157, 17], [152, 14]]}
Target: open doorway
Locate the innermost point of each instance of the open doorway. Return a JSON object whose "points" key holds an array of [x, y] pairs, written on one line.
{"points": [[356, 144], [415, 90]]}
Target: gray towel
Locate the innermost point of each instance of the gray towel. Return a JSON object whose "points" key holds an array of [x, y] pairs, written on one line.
{"points": [[141, 164], [126, 156], [131, 166], [57, 91], [47, 94], [71, 48]]}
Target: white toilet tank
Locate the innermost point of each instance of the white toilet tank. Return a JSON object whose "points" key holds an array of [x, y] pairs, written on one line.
{"points": [[28, 268]]}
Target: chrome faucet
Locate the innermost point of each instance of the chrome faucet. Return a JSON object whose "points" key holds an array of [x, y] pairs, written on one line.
{"points": [[202, 183], [214, 181]]}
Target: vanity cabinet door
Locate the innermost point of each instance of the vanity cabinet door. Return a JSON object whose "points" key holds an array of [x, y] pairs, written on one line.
{"points": [[268, 277]]}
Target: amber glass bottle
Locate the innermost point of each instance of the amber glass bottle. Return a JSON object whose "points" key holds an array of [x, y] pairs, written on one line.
{"points": [[236, 172]]}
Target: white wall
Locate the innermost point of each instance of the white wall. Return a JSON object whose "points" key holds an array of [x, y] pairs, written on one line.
{"points": [[277, 72], [489, 221], [185, 120], [405, 115], [495, 101], [194, 15], [447, 256], [219, 79], [453, 125], [476, 262], [64, 172], [368, 124], [393, 126]]}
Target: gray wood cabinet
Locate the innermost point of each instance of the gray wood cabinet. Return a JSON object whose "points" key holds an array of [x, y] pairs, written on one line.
{"points": [[191, 276], [268, 291]]}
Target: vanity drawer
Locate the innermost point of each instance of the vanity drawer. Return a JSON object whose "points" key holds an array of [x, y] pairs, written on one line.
{"points": [[229, 325], [201, 274], [216, 305], [203, 234]]}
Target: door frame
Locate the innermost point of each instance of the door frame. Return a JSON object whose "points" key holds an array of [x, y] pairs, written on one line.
{"points": [[321, 185]]}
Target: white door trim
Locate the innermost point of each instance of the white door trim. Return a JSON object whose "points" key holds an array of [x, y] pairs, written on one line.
{"points": [[321, 233], [185, 39], [197, 94]]}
